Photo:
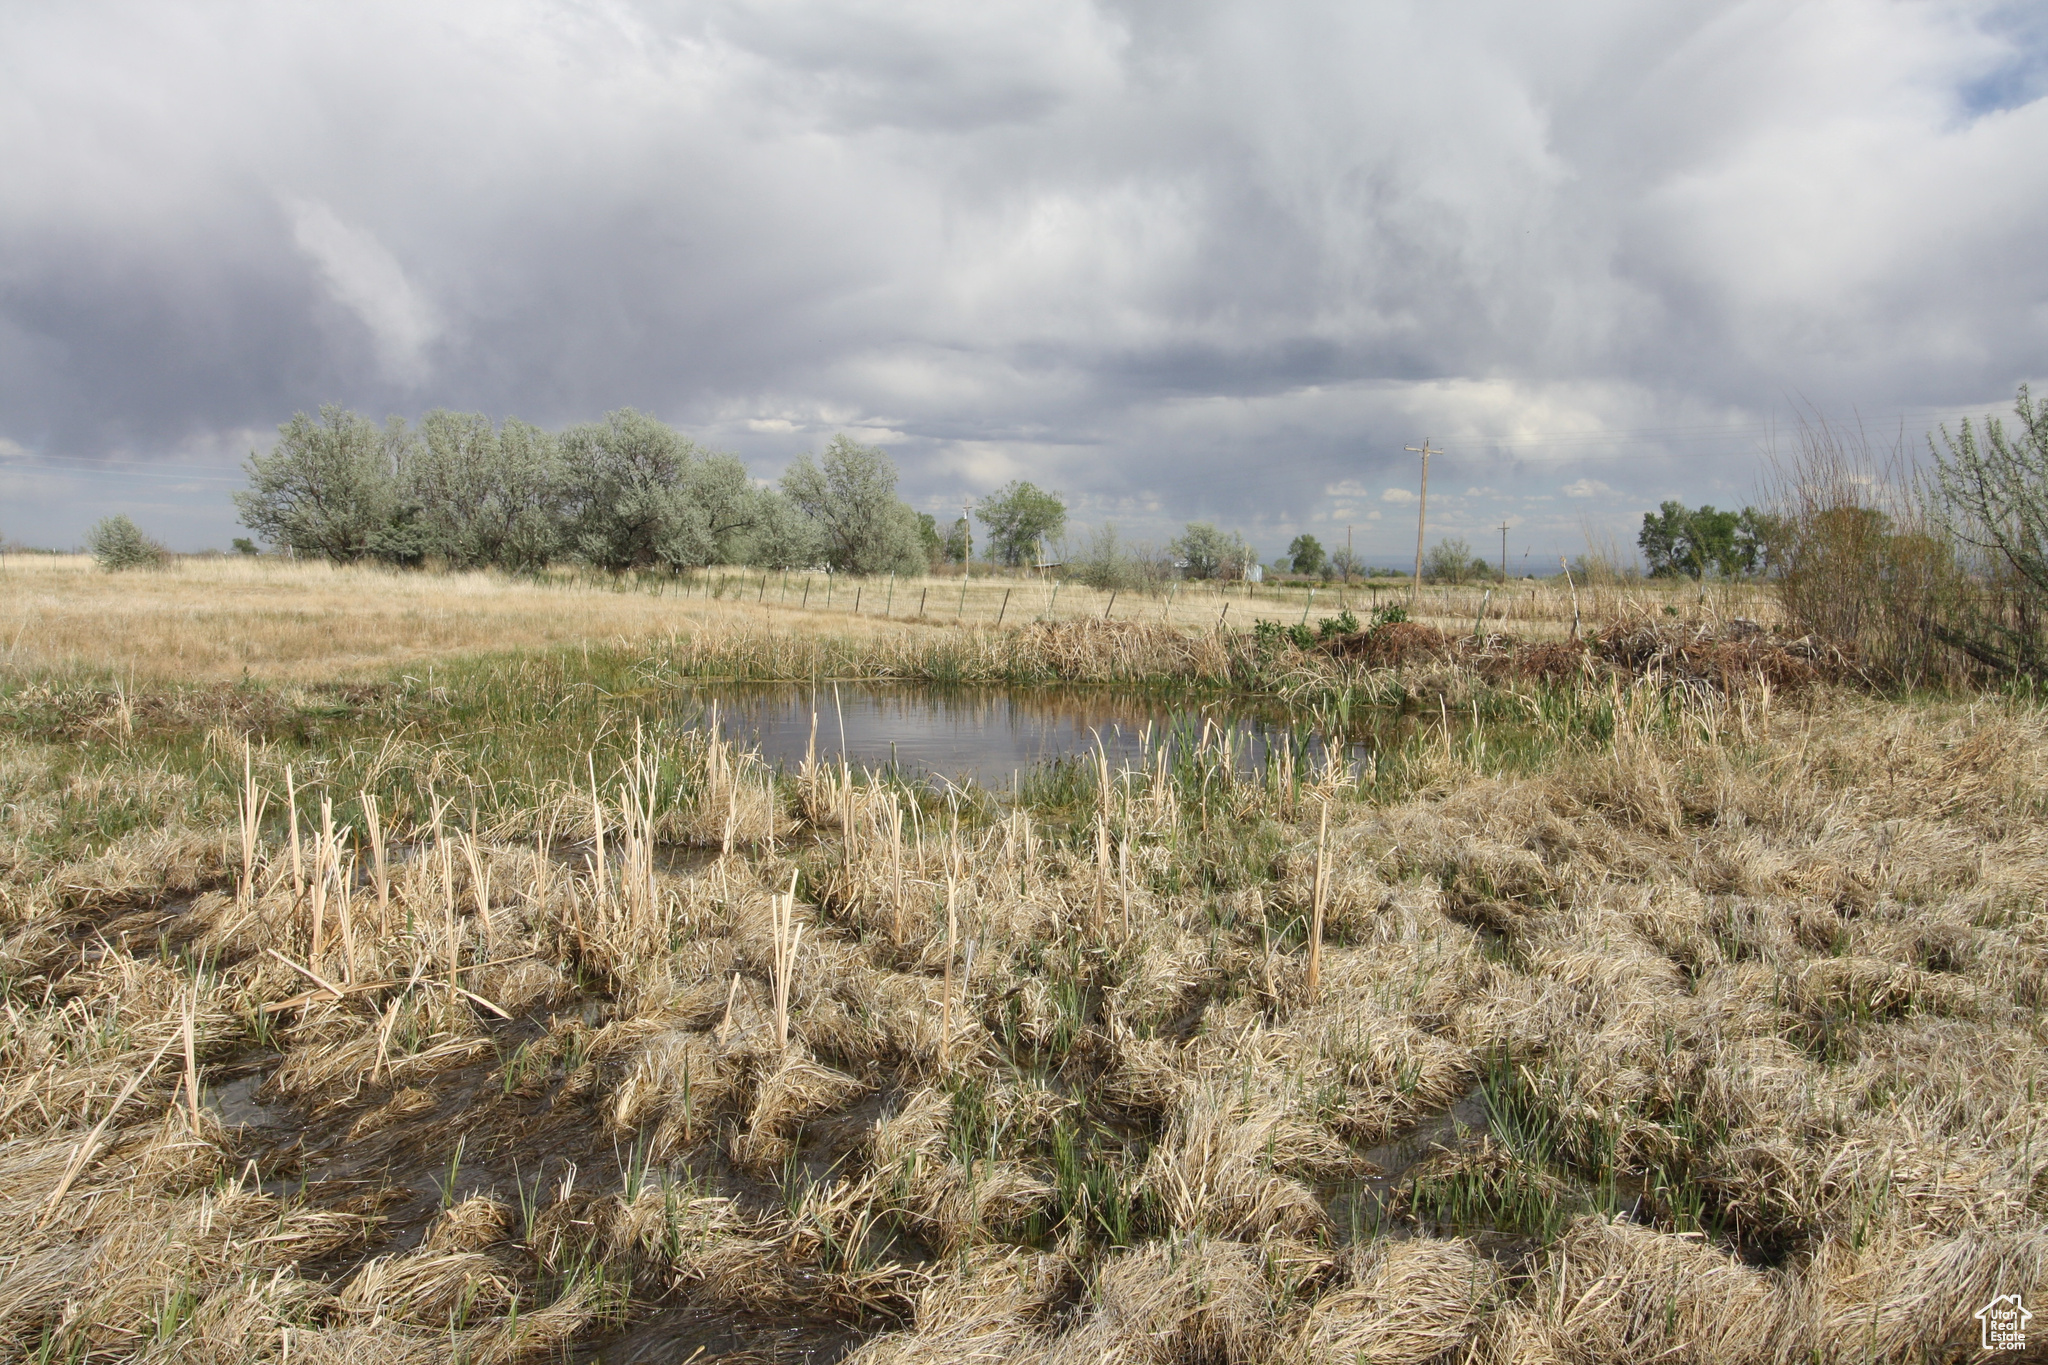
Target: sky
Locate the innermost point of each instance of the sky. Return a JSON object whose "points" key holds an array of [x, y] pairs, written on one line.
{"points": [[1178, 261]]}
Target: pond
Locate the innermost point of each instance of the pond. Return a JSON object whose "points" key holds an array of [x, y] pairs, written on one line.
{"points": [[988, 735]]}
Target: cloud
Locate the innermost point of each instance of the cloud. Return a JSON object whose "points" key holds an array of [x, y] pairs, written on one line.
{"points": [[1180, 260], [366, 279], [1397, 495], [1587, 488]]}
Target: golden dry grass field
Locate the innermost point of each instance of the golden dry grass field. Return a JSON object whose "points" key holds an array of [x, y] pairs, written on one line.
{"points": [[394, 970]]}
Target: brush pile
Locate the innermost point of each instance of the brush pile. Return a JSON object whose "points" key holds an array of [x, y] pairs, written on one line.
{"points": [[1703, 659]]}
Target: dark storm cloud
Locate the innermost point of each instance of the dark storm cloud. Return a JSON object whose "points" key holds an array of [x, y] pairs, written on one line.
{"points": [[1178, 260]]}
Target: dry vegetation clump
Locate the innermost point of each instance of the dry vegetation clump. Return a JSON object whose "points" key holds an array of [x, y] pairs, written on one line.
{"points": [[1625, 1021]]}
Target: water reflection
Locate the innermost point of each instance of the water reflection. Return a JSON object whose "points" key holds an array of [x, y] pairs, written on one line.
{"points": [[988, 734]]}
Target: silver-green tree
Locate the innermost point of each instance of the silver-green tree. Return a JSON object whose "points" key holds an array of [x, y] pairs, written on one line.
{"points": [[623, 507], [1205, 552], [328, 487], [484, 496], [118, 543], [1992, 498], [850, 495]]}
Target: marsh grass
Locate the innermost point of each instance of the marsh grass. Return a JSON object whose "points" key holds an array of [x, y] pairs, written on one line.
{"points": [[564, 1009]]}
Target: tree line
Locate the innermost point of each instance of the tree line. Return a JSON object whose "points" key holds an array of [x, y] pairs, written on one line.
{"points": [[627, 492], [630, 492]]}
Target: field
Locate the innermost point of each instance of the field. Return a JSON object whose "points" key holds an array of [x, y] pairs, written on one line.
{"points": [[394, 971]]}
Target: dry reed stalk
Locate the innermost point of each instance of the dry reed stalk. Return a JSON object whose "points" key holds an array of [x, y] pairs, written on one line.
{"points": [[345, 904], [480, 888], [946, 1003], [380, 867], [732, 995], [192, 1056], [787, 936], [1322, 883], [1101, 867], [298, 867], [446, 857], [597, 866], [253, 799], [543, 836], [896, 869], [311, 975], [378, 1067], [322, 845], [83, 1154]]}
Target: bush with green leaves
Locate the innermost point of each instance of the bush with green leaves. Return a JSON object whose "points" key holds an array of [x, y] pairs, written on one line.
{"points": [[117, 543]]}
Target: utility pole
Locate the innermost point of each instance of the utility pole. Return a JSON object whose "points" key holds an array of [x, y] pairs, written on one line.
{"points": [[1349, 563], [1503, 549], [1421, 513]]}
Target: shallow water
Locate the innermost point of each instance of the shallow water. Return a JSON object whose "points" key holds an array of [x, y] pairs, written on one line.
{"points": [[987, 735]]}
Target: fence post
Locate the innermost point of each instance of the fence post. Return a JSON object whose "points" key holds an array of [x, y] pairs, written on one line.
{"points": [[1005, 607]]}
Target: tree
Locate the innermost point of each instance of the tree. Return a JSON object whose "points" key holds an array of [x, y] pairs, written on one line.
{"points": [[929, 538], [1448, 561], [959, 541], [622, 503], [117, 543], [851, 496], [1698, 541], [1107, 561], [1763, 540], [784, 537], [1344, 564], [327, 487], [484, 496], [244, 546], [1992, 497], [1305, 555], [1018, 515], [1661, 539], [1206, 552]]}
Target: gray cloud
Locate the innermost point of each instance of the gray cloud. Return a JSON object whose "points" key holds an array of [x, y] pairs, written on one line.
{"points": [[1218, 260]]}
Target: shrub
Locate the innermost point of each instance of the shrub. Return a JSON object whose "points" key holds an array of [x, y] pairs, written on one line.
{"points": [[118, 543]]}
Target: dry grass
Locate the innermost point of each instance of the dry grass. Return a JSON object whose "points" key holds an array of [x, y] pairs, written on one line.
{"points": [[215, 620], [1752, 995]]}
